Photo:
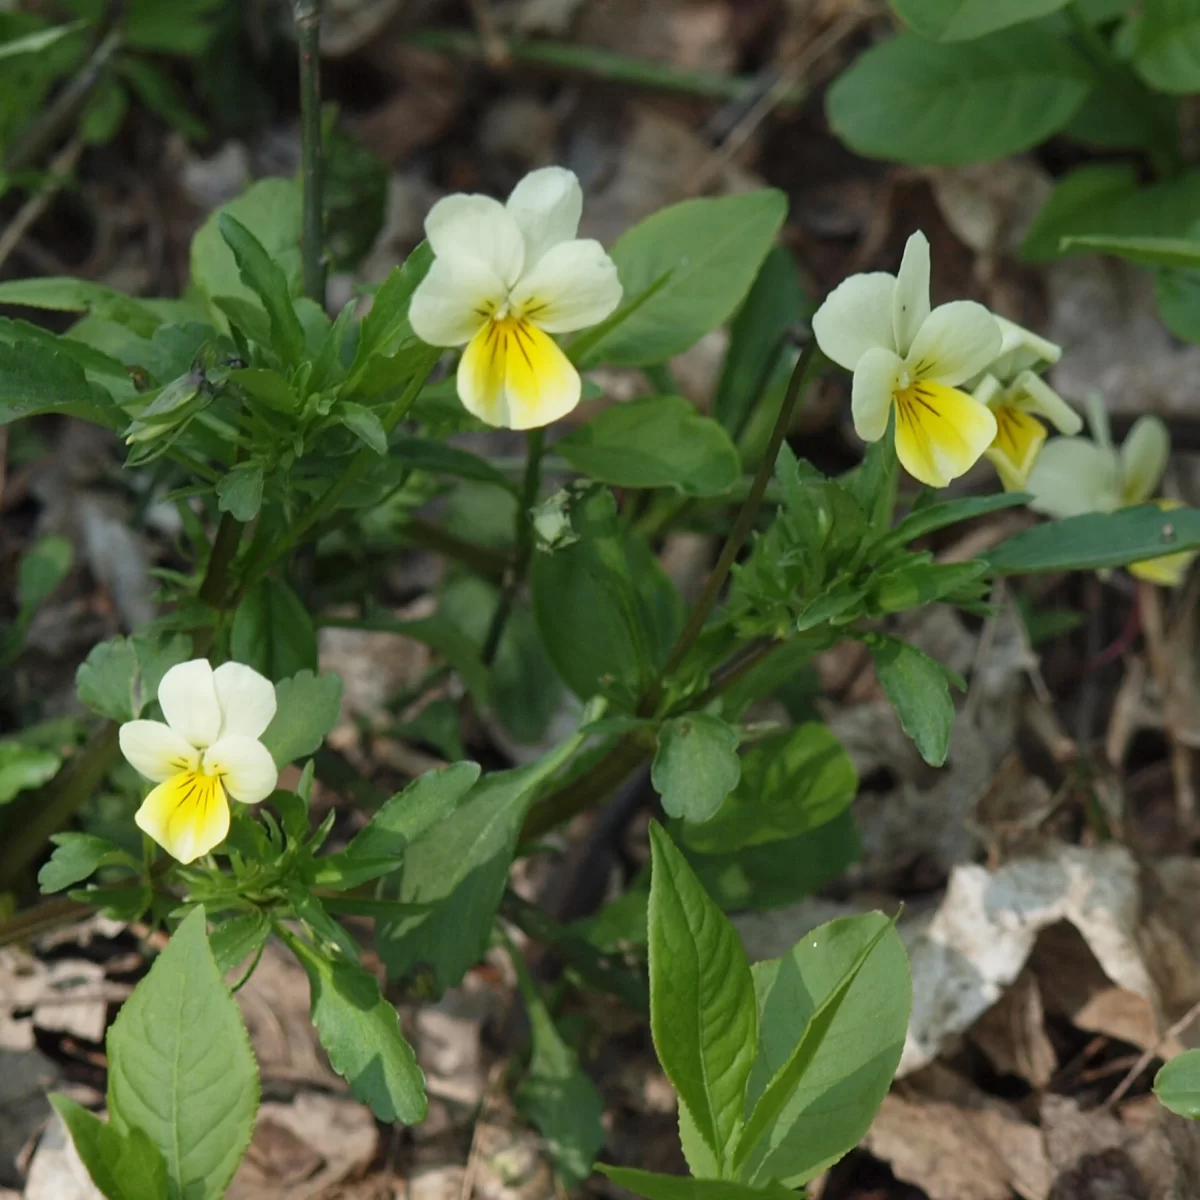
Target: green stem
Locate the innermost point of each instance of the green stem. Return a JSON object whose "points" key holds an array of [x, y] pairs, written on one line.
{"points": [[524, 546], [1162, 138], [307, 15]]}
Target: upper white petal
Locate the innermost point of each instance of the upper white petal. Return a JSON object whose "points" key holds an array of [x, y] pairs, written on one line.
{"points": [[856, 317], [1035, 395], [155, 750], [1021, 350], [955, 342], [1144, 457], [546, 206], [454, 300], [910, 300], [574, 285], [245, 767], [247, 699], [478, 228], [189, 701], [875, 382], [1073, 476]]}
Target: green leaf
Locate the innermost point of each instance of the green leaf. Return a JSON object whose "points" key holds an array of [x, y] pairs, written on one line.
{"points": [[124, 1166], [775, 302], [307, 707], [677, 1187], [710, 250], [790, 783], [76, 856], [240, 492], [556, 1095], [25, 767], [702, 1011], [1145, 251], [920, 693], [658, 441], [272, 631], [454, 876], [270, 211], [1106, 200], [605, 609], [235, 939], [1167, 50], [695, 766], [181, 1068], [403, 819], [910, 100], [1097, 540], [778, 873], [963, 20], [932, 517], [832, 1019], [360, 1032], [267, 281], [121, 676], [1177, 1084], [365, 425], [36, 379]]}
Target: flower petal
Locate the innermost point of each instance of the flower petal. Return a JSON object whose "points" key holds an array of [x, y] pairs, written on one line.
{"points": [[513, 375], [546, 206], [245, 767], [940, 432], [1144, 457], [1014, 450], [910, 300], [871, 394], [454, 300], [574, 285], [187, 815], [478, 228], [955, 343], [1035, 395], [247, 700], [155, 750], [1021, 350], [189, 701], [1073, 476], [856, 317]]}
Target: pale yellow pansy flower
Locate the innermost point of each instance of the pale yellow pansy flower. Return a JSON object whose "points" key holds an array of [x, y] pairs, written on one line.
{"points": [[505, 277], [1077, 475], [1018, 396], [207, 752], [911, 359]]}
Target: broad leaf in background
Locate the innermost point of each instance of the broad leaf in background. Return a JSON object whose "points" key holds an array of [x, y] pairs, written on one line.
{"points": [[1177, 1085], [655, 442], [360, 1032], [710, 251], [676, 1187], [124, 1166], [695, 766], [120, 677], [454, 875], [911, 100], [556, 1095], [181, 1068], [962, 20], [851, 1067], [1166, 51], [791, 782], [919, 690], [1097, 540], [775, 303], [702, 1010], [307, 707], [272, 631]]}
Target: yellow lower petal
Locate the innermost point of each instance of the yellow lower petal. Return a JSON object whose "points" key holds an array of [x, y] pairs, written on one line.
{"points": [[1171, 569], [1014, 450], [514, 375], [941, 433], [187, 815]]}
